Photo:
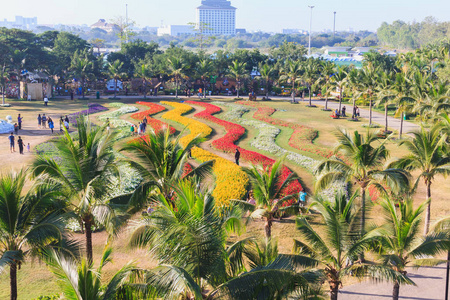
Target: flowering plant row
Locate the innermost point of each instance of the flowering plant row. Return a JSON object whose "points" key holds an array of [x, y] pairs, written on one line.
{"points": [[122, 110], [303, 136], [231, 181], [93, 108], [234, 133], [154, 108]]}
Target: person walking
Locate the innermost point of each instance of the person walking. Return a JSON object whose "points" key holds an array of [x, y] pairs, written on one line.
{"points": [[16, 128], [20, 144], [45, 101], [11, 142], [145, 120], [132, 129], [44, 121], [19, 121], [51, 125], [61, 124], [71, 94], [237, 155], [66, 119], [343, 111], [39, 118], [28, 147], [139, 128]]}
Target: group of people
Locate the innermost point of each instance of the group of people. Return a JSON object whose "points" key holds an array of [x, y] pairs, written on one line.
{"points": [[140, 128], [44, 121], [342, 113], [20, 143]]}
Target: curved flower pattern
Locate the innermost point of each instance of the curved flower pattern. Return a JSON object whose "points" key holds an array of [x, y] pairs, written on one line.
{"points": [[231, 181], [156, 124]]}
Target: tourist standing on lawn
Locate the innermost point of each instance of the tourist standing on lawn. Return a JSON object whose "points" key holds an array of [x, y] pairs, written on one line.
{"points": [[19, 121], [61, 124], [11, 142], [16, 128], [39, 118], [237, 155], [343, 111], [67, 119], [44, 121], [20, 144]]}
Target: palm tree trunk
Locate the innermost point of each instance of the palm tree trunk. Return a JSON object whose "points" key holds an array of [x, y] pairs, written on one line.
{"points": [[204, 89], [386, 117], [267, 89], [238, 86], [88, 228], [370, 112], [115, 87], [334, 291], [176, 88], [145, 89], [268, 228], [13, 281], [309, 89], [326, 102], [428, 212], [401, 126], [396, 291], [340, 99], [3, 94], [293, 90], [363, 217], [82, 88]]}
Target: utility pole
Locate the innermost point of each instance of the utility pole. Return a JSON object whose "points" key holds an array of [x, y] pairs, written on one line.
{"points": [[310, 26], [126, 22], [334, 25]]}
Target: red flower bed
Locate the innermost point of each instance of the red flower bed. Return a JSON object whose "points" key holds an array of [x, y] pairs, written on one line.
{"points": [[234, 133], [156, 124], [303, 136]]}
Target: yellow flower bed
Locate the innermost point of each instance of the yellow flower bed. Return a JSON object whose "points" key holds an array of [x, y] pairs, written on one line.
{"points": [[231, 181]]}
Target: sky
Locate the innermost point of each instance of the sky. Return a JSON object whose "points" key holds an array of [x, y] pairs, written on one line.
{"points": [[264, 15]]}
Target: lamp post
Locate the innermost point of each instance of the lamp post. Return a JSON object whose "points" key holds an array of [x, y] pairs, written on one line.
{"points": [[334, 25], [310, 26]]}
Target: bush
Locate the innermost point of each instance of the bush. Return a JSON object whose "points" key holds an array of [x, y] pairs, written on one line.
{"points": [[52, 297]]}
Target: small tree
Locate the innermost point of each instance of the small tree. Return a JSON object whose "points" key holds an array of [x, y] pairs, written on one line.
{"points": [[267, 72], [4, 77], [204, 69], [177, 71], [115, 71], [238, 71], [291, 71], [81, 68], [145, 72]]}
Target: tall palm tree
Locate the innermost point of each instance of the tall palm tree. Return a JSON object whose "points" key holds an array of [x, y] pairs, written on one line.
{"points": [[115, 71], [177, 71], [161, 161], [399, 243], [402, 89], [291, 71], [204, 69], [427, 154], [311, 73], [385, 95], [337, 247], [266, 72], [238, 71], [364, 167], [435, 100], [29, 222], [367, 84], [145, 72], [81, 68], [81, 281], [327, 71], [85, 169], [267, 186], [339, 80]]}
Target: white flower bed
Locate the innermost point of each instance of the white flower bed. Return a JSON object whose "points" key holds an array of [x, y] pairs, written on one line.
{"points": [[124, 109]]}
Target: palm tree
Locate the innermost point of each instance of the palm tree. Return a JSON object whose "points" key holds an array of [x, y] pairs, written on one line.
{"points": [[427, 154], [339, 80], [200, 264], [18, 59], [402, 88], [115, 72], [291, 71], [267, 186], [204, 69], [367, 84], [238, 71], [29, 222], [145, 72], [337, 247], [266, 72], [399, 243], [161, 161], [327, 71], [364, 167], [85, 171], [81, 68], [435, 100], [81, 281], [177, 71], [385, 94], [311, 73], [4, 77]]}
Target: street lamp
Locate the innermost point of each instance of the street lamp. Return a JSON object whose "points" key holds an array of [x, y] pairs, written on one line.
{"points": [[310, 25], [334, 25]]}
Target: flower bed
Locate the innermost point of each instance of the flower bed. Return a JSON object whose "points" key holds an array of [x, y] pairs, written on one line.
{"points": [[303, 136], [93, 108], [156, 124], [231, 181], [234, 133]]}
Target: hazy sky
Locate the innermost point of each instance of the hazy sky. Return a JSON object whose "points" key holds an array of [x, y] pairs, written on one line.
{"points": [[263, 15]]}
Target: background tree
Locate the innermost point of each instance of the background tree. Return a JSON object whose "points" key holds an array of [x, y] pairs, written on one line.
{"points": [[238, 71], [5, 75], [81, 68], [204, 70], [267, 73], [145, 72], [115, 72], [292, 71], [177, 71], [311, 73], [339, 80], [327, 71]]}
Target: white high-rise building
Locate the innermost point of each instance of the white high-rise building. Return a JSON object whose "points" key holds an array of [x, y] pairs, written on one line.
{"points": [[216, 17]]}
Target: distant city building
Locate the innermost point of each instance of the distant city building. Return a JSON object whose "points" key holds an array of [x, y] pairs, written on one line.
{"points": [[293, 31], [241, 30], [103, 25], [217, 16], [175, 30], [20, 23]]}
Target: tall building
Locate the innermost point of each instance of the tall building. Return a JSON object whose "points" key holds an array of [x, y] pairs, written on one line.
{"points": [[216, 17]]}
